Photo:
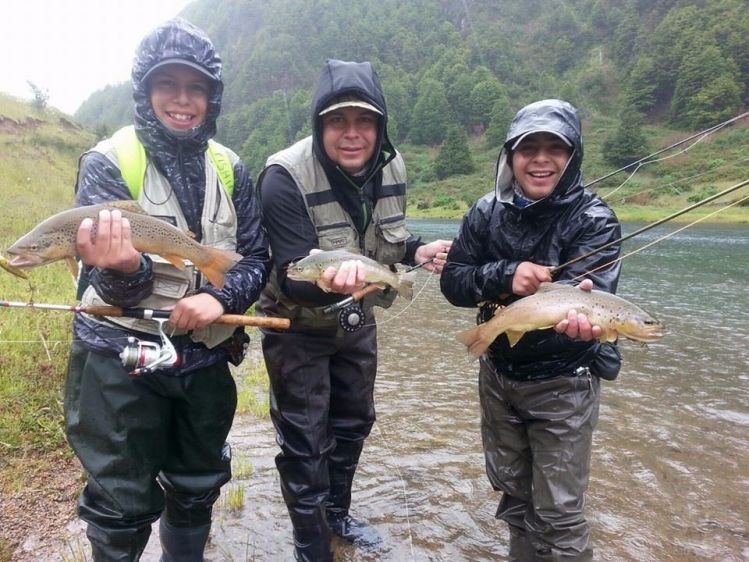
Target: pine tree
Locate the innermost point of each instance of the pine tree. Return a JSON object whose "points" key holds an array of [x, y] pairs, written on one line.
{"points": [[628, 143], [431, 115], [454, 157]]}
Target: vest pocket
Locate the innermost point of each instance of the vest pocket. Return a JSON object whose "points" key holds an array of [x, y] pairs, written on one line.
{"points": [[336, 238], [392, 245]]}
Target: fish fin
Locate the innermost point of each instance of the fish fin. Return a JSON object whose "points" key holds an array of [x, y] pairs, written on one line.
{"points": [[609, 336], [128, 205], [218, 263], [545, 287], [176, 261], [475, 340], [72, 264], [405, 285], [514, 337]]}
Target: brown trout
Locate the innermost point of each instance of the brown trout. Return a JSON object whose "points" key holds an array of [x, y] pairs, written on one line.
{"points": [[311, 269], [54, 239], [550, 304]]}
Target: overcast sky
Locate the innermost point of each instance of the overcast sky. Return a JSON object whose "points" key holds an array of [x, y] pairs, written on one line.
{"points": [[73, 47]]}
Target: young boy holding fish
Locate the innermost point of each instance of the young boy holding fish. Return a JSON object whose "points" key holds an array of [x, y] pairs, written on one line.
{"points": [[540, 392], [154, 447], [342, 188]]}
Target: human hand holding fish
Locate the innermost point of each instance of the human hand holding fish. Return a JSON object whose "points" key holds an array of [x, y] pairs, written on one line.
{"points": [[342, 271], [109, 245], [576, 325]]}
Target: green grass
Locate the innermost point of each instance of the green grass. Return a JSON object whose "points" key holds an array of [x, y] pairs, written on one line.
{"points": [[252, 387], [37, 172]]}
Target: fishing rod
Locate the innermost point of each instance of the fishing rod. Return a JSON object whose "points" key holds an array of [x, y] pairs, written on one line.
{"points": [[645, 228], [674, 145], [150, 314]]}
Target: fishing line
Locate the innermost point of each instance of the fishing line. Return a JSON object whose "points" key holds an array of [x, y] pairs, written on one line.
{"points": [[405, 308], [726, 191], [662, 238], [403, 487], [644, 160], [678, 181]]}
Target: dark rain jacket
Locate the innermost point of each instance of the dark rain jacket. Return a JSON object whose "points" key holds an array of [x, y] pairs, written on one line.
{"points": [[289, 226], [181, 159], [497, 235]]}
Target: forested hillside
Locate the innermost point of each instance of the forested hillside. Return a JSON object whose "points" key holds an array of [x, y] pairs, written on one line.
{"points": [[467, 65]]}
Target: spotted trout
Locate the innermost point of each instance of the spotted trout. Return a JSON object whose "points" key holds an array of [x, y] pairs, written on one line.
{"points": [[54, 239], [311, 269], [550, 304]]}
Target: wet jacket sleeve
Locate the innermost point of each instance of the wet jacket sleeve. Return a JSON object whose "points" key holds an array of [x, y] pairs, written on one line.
{"points": [[598, 227], [469, 277], [291, 233], [247, 278], [99, 181]]}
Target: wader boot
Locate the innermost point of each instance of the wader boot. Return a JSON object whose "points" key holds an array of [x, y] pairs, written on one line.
{"points": [[117, 547], [311, 536], [521, 549], [182, 544], [341, 468]]}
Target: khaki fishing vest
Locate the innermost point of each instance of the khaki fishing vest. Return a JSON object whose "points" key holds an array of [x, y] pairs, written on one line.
{"points": [[384, 239], [219, 224]]}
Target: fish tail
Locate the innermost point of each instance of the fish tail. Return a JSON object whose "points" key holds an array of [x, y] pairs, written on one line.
{"points": [[406, 284], [217, 264], [475, 340]]}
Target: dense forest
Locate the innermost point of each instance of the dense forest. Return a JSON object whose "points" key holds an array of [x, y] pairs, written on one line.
{"points": [[455, 71]]}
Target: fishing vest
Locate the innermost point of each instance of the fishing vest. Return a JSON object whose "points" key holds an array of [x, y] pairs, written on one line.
{"points": [[155, 196], [384, 239]]}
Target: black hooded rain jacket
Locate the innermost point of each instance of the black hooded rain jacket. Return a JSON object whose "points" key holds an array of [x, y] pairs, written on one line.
{"points": [[181, 159], [497, 235]]}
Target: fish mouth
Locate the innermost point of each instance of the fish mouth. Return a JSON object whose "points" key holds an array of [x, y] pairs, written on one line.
{"points": [[25, 261]]}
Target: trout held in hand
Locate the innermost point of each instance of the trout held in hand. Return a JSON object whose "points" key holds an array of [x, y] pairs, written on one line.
{"points": [[312, 267], [54, 239], [550, 305]]}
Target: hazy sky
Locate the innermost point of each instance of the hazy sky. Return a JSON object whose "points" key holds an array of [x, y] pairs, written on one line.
{"points": [[73, 47]]}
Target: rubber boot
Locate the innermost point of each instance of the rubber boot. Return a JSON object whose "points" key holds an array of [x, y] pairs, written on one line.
{"points": [[521, 549], [311, 536], [182, 544], [117, 546], [341, 467]]}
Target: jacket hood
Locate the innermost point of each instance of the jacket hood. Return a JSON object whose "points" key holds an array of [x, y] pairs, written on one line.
{"points": [[551, 116], [355, 79], [174, 41]]}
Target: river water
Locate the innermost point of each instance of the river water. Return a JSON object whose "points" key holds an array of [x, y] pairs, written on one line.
{"points": [[670, 466]]}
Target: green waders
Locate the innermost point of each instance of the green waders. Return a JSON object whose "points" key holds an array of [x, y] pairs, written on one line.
{"points": [[149, 445], [537, 438]]}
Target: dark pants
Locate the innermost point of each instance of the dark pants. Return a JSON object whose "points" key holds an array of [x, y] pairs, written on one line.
{"points": [[151, 444], [537, 439], [322, 406]]}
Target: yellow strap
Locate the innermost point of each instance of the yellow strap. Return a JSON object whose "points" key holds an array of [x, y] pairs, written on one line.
{"points": [[133, 161]]}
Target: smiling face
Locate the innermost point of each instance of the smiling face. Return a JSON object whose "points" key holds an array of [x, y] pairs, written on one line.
{"points": [[538, 163], [179, 96], [349, 136]]}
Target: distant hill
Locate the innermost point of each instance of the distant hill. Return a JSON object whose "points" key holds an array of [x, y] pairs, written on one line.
{"points": [[640, 71], [470, 63]]}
